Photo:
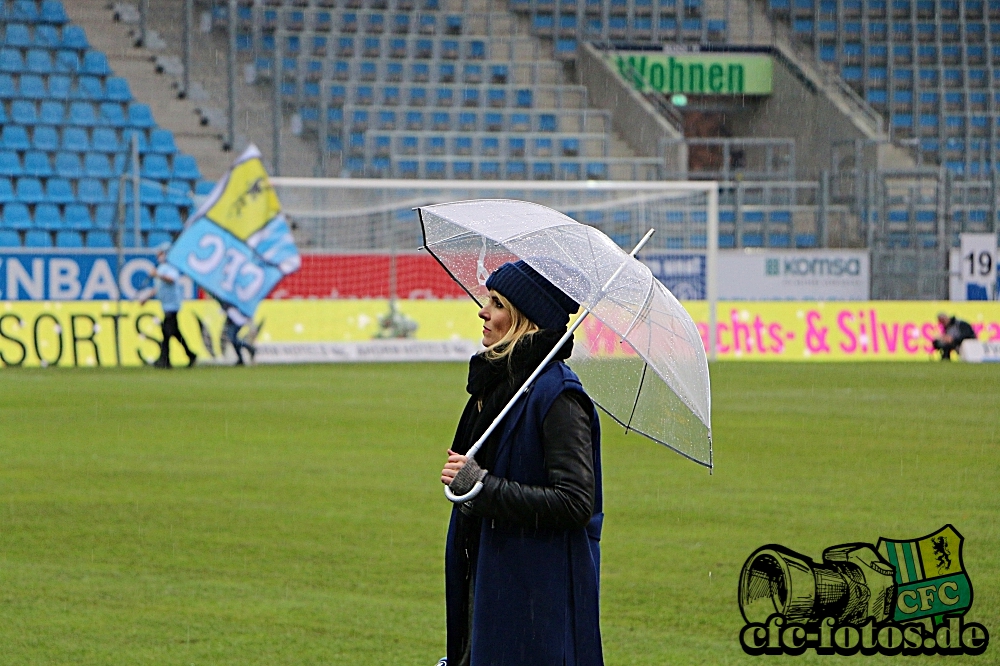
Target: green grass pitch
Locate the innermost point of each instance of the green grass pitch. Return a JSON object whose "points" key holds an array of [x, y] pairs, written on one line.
{"points": [[293, 515]]}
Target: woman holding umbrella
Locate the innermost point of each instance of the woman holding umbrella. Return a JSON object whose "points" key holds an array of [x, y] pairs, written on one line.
{"points": [[522, 559]]}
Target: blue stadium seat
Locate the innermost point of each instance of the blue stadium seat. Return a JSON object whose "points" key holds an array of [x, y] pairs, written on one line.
{"points": [[52, 113], [6, 191], [95, 63], [69, 239], [68, 165], [67, 62], [157, 238], [16, 216], [9, 238], [29, 190], [59, 191], [23, 112], [14, 137], [96, 165], [99, 239], [155, 167], [78, 217], [11, 61], [17, 35], [185, 168], [52, 12], [37, 238], [145, 221], [36, 163], [104, 216], [74, 37], [111, 115], [118, 90], [105, 140], [135, 135], [88, 88], [24, 10], [47, 217], [10, 163], [91, 191], [178, 193], [33, 86], [75, 140], [139, 115], [8, 90], [82, 114], [167, 218], [38, 61]]}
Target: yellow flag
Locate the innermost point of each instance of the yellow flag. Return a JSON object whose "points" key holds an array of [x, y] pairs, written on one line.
{"points": [[247, 203]]}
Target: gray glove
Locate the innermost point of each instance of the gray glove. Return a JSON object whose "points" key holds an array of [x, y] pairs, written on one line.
{"points": [[467, 477]]}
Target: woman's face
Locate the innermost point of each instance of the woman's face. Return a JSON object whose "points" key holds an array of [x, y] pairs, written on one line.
{"points": [[496, 320]]}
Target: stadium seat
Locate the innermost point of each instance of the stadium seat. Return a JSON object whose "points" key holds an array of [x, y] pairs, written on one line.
{"points": [[14, 137], [68, 165], [9, 238], [118, 90], [47, 217], [78, 217], [69, 239], [185, 168], [37, 238], [59, 191], [75, 140], [36, 163], [10, 163], [95, 63], [23, 112], [29, 190], [167, 218], [139, 115], [74, 37], [99, 239], [157, 238], [16, 216], [6, 191]]}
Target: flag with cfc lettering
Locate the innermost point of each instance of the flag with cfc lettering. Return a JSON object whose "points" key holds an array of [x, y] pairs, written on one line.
{"points": [[930, 575], [238, 245]]}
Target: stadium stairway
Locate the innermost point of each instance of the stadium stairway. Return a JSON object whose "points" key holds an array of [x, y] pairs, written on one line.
{"points": [[209, 82], [136, 65]]}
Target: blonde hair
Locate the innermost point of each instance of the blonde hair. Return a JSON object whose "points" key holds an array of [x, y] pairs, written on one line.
{"points": [[520, 326]]}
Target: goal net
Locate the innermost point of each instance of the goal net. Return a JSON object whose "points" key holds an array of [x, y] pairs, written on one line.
{"points": [[361, 238]]}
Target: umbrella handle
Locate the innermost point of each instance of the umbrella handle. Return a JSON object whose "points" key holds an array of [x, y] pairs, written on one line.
{"points": [[458, 499]]}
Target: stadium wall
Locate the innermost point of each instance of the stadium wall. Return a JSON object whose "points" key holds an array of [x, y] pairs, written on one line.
{"points": [[108, 333]]}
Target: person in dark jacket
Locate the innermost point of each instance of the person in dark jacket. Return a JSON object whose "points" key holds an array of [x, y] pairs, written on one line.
{"points": [[522, 559], [953, 333]]}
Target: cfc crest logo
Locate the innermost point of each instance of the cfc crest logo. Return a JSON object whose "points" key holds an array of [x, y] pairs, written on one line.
{"points": [[898, 597]]}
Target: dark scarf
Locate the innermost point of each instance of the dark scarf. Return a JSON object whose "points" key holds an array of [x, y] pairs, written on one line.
{"points": [[494, 382]]}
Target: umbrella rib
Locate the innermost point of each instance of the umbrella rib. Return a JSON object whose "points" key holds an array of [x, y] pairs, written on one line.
{"points": [[423, 231], [628, 426], [658, 441]]}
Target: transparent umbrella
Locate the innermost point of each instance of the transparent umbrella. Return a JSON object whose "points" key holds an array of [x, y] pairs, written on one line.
{"points": [[654, 379]]}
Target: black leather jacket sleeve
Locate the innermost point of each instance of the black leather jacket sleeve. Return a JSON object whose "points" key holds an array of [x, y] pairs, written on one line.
{"points": [[568, 499]]}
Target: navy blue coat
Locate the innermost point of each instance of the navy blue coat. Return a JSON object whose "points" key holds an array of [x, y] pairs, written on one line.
{"points": [[536, 590]]}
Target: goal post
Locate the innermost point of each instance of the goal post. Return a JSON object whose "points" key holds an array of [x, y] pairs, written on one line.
{"points": [[373, 222]]}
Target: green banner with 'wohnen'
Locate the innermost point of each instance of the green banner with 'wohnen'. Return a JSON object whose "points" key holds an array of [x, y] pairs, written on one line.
{"points": [[695, 73]]}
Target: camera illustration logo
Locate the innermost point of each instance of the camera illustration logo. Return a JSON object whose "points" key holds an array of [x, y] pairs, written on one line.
{"points": [[898, 597]]}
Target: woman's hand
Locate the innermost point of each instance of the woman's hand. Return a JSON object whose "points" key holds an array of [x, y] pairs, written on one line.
{"points": [[451, 468]]}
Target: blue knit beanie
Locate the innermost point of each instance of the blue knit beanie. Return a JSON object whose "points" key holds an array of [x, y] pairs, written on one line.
{"points": [[540, 300]]}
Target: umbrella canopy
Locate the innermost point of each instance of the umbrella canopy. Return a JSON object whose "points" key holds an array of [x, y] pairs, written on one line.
{"points": [[654, 378]]}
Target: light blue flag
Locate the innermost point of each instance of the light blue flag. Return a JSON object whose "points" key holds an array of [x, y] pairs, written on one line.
{"points": [[238, 245]]}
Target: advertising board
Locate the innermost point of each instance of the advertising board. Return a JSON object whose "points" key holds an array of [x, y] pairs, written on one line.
{"points": [[76, 275], [98, 333], [695, 73]]}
